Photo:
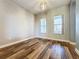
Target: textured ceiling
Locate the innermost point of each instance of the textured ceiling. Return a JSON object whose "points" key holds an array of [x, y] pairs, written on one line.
{"points": [[34, 7]]}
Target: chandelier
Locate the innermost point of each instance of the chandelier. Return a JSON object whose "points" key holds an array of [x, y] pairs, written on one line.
{"points": [[43, 4]]}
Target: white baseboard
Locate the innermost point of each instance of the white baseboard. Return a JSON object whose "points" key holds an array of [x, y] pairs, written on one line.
{"points": [[30, 37], [62, 40], [9, 44]]}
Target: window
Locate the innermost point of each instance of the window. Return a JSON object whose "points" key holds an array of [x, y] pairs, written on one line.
{"points": [[58, 24], [43, 25]]}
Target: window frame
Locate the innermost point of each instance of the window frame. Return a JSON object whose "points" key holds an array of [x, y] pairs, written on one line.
{"points": [[43, 25], [62, 33]]}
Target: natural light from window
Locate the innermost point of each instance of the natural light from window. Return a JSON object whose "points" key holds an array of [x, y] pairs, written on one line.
{"points": [[58, 24], [43, 25]]}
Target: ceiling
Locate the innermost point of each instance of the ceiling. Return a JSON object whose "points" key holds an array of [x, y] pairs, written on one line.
{"points": [[34, 7]]}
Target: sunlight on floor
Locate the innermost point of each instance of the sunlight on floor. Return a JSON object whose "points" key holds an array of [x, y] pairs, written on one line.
{"points": [[57, 51]]}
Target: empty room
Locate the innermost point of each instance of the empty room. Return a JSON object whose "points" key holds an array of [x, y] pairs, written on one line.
{"points": [[39, 29]]}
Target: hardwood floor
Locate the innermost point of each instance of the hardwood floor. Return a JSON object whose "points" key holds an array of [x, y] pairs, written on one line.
{"points": [[39, 49]]}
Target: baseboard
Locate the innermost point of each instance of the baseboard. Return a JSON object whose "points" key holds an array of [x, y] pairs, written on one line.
{"points": [[12, 43], [77, 51], [31, 37], [73, 43]]}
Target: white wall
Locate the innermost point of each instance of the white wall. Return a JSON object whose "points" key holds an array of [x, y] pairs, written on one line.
{"points": [[15, 22], [72, 20], [64, 11], [77, 23]]}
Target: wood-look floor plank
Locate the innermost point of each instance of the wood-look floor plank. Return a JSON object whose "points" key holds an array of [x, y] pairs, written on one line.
{"points": [[26, 45], [47, 54], [68, 54], [30, 56], [74, 54], [36, 53], [14, 56], [24, 52], [38, 49]]}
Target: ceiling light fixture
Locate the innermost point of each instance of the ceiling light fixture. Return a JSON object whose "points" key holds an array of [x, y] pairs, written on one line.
{"points": [[43, 4]]}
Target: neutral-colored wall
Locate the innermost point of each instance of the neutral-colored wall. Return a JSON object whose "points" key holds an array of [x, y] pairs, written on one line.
{"points": [[72, 20], [15, 22], [77, 23], [63, 10]]}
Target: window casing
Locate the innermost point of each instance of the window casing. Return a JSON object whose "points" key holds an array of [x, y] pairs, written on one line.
{"points": [[58, 24], [43, 25]]}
